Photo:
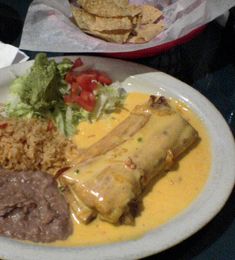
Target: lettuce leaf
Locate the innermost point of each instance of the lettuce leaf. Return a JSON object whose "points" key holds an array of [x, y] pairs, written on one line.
{"points": [[109, 99], [40, 92], [67, 119]]}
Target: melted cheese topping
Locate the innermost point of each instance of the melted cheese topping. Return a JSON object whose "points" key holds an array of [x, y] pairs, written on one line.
{"points": [[164, 199]]}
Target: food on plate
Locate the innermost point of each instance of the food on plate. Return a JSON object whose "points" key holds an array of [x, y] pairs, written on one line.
{"points": [[125, 130], [32, 208], [61, 93], [113, 157], [33, 144], [112, 183], [110, 8], [166, 196], [138, 117], [118, 21]]}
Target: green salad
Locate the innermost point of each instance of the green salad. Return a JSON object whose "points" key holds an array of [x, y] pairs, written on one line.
{"points": [[64, 94]]}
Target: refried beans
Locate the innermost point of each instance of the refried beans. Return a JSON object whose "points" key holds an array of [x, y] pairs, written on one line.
{"points": [[32, 207]]}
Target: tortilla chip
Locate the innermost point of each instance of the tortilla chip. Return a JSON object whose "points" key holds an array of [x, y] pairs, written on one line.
{"points": [[136, 20], [118, 21], [109, 8], [150, 14], [82, 23], [121, 3], [95, 23], [147, 32], [111, 36]]}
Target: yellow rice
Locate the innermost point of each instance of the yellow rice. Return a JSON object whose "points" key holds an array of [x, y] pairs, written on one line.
{"points": [[32, 145]]}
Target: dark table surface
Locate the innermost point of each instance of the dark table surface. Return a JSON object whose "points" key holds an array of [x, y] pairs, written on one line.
{"points": [[208, 64]]}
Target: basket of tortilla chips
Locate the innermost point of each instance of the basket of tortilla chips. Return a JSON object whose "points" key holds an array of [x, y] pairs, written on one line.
{"points": [[120, 28], [118, 21]]}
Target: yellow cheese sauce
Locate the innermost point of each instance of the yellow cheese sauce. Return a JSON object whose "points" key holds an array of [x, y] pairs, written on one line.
{"points": [[166, 198]]}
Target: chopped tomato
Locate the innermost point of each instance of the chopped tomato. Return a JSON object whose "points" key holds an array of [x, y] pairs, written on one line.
{"points": [[91, 72], [93, 85], [83, 84], [104, 78], [70, 77], [77, 63], [86, 100], [85, 80], [87, 96], [75, 88], [101, 77], [69, 99], [86, 77]]}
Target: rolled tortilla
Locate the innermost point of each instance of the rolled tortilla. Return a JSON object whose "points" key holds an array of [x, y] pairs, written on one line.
{"points": [[134, 122], [111, 182]]}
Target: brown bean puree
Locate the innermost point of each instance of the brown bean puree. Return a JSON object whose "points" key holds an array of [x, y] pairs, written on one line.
{"points": [[32, 207]]}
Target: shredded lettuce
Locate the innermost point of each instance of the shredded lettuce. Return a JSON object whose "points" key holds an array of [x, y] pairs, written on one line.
{"points": [[67, 118], [64, 66], [40, 93], [109, 99]]}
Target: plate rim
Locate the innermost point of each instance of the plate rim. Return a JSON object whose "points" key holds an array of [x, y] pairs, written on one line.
{"points": [[113, 250]]}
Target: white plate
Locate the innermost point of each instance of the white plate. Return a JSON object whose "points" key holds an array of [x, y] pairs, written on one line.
{"points": [[202, 210]]}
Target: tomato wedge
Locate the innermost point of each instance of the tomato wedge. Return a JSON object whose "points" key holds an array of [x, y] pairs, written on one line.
{"points": [[87, 81], [70, 77], [75, 88], [86, 100], [77, 63], [68, 99], [103, 78], [91, 72]]}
